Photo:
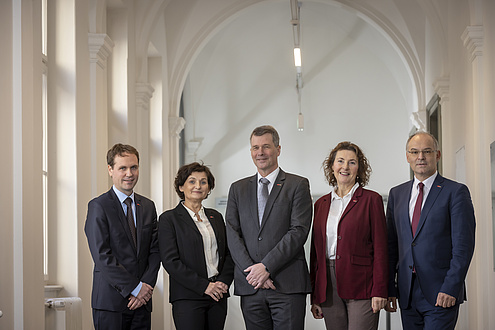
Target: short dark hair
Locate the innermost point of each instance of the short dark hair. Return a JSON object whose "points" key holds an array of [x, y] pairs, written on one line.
{"points": [[120, 149], [265, 129], [364, 168], [435, 141], [186, 170]]}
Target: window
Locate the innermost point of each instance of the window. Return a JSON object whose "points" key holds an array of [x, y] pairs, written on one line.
{"points": [[435, 123]]}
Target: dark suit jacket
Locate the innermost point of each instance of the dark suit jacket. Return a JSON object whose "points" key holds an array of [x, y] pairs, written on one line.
{"points": [[361, 263], [119, 266], [443, 246], [279, 242], [182, 253]]}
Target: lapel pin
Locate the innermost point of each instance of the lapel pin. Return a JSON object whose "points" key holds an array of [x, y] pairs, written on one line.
{"points": [[354, 200], [279, 184], [439, 186]]}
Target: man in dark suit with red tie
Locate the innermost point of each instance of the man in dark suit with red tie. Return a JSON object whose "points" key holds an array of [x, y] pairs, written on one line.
{"points": [[431, 230], [121, 228]]}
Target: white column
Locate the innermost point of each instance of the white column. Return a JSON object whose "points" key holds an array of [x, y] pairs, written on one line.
{"points": [[442, 88], [144, 92], [100, 48], [480, 277]]}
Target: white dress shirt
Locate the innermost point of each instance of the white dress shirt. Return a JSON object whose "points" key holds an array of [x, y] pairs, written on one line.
{"points": [[428, 183], [337, 207], [209, 240], [270, 177]]}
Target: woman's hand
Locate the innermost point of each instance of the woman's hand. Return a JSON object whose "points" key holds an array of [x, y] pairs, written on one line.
{"points": [[316, 311], [378, 303], [216, 290]]}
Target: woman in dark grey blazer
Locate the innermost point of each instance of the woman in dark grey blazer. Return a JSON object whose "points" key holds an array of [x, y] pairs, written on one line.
{"points": [[194, 252]]}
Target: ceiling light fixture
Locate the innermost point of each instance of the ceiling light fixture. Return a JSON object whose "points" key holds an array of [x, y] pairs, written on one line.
{"points": [[295, 7]]}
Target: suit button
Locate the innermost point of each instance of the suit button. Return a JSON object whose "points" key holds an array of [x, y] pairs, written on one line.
{"points": [[338, 257], [410, 267], [260, 238], [413, 244], [340, 237]]}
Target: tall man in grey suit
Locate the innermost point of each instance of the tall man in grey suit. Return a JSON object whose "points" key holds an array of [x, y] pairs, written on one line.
{"points": [[121, 228], [266, 242], [431, 229]]}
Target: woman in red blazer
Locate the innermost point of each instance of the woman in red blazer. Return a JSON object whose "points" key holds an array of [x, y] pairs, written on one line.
{"points": [[348, 266]]}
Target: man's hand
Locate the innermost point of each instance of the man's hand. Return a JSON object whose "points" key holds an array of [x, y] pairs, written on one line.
{"points": [[216, 290], [257, 275], [134, 303], [444, 300], [145, 293], [378, 303], [142, 298], [268, 285], [391, 305], [316, 311]]}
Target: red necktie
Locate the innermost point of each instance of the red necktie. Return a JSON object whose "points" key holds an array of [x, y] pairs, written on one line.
{"points": [[417, 209]]}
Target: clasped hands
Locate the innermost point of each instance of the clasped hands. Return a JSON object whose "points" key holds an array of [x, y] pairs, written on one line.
{"points": [[142, 298], [216, 290], [259, 277]]}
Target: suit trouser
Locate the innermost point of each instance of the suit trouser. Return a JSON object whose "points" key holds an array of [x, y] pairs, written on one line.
{"points": [[420, 314], [204, 314], [352, 314], [268, 309], [139, 319]]}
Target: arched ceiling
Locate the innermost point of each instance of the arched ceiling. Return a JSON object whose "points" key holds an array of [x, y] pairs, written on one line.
{"points": [[356, 83]]}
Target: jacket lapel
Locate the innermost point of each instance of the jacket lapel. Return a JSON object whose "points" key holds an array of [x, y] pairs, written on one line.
{"points": [[354, 200], [216, 225], [436, 188], [253, 199], [186, 218], [404, 208]]}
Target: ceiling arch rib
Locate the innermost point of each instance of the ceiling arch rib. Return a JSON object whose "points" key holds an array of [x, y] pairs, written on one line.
{"points": [[371, 15]]}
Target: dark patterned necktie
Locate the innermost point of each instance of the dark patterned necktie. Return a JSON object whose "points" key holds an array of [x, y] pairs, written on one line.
{"points": [[130, 219]]}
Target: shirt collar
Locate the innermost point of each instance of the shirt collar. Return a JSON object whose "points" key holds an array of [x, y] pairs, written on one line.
{"points": [[349, 194], [428, 182], [121, 196], [271, 177], [201, 212]]}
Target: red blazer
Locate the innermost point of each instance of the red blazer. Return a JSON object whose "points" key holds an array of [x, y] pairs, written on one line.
{"points": [[361, 262]]}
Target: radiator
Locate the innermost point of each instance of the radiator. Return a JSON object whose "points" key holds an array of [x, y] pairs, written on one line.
{"points": [[72, 306]]}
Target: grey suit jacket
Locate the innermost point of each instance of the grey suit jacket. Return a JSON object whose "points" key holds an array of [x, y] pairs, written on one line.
{"points": [[278, 242]]}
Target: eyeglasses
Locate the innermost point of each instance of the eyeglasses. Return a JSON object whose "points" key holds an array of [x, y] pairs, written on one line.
{"points": [[424, 152]]}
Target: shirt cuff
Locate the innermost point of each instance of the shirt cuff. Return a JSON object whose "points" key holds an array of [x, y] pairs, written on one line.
{"points": [[135, 292]]}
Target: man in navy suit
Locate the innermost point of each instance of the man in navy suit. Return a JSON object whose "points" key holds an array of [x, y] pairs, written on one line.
{"points": [[121, 228], [431, 230], [266, 242]]}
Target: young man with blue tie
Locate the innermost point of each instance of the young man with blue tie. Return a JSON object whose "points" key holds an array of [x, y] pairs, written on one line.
{"points": [[121, 228]]}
